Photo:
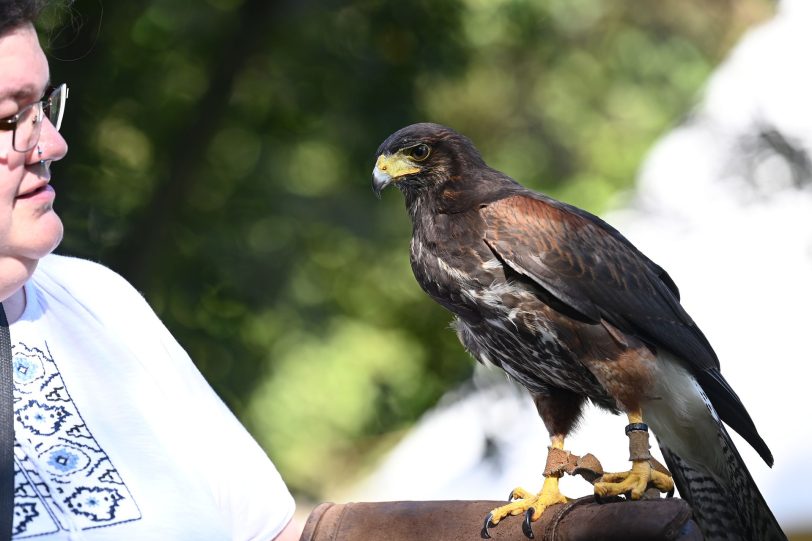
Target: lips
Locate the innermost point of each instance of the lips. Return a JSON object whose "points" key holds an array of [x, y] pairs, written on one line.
{"points": [[43, 190]]}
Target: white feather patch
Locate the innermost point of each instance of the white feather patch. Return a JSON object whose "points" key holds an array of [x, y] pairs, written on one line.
{"points": [[682, 417], [457, 274]]}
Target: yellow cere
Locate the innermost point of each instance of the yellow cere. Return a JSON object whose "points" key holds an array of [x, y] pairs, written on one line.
{"points": [[396, 165]]}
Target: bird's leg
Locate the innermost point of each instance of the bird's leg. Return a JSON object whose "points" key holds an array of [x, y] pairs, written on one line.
{"points": [[533, 505], [645, 472]]}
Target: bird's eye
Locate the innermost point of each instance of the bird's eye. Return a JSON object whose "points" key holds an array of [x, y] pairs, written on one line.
{"points": [[419, 153]]}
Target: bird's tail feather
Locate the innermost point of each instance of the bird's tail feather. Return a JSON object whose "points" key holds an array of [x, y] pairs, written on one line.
{"points": [[727, 504]]}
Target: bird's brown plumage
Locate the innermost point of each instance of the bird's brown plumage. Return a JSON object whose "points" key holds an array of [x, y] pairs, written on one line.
{"points": [[550, 293]]}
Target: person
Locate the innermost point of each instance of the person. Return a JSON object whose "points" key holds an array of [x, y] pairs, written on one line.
{"points": [[117, 435]]}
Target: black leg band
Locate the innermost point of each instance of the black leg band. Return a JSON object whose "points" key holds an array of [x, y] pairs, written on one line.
{"points": [[636, 426]]}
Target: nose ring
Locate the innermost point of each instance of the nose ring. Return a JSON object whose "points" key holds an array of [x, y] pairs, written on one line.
{"points": [[39, 151]]}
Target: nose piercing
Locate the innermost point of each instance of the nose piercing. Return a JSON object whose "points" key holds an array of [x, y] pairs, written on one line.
{"points": [[39, 155]]}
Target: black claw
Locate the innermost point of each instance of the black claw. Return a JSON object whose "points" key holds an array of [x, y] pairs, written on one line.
{"points": [[510, 496], [628, 495], [599, 499], [526, 525], [670, 493], [488, 524]]}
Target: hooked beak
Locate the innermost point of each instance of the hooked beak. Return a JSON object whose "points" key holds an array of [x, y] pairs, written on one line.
{"points": [[380, 178], [388, 169]]}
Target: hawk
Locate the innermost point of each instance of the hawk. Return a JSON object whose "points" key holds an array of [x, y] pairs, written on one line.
{"points": [[570, 309]]}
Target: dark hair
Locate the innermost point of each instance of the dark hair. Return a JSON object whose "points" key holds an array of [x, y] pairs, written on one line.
{"points": [[14, 13]]}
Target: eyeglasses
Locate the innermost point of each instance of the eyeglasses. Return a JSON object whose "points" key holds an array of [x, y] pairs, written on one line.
{"points": [[27, 124]]}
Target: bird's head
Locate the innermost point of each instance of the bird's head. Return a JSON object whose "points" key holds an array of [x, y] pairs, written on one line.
{"points": [[422, 158]]}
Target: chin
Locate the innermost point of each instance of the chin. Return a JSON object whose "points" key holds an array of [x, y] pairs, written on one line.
{"points": [[46, 237]]}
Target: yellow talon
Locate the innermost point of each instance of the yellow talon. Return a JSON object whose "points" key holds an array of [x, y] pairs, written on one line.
{"points": [[522, 500], [529, 504], [635, 481], [642, 475]]}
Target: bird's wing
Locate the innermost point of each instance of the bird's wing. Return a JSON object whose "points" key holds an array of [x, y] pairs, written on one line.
{"points": [[581, 261], [589, 267]]}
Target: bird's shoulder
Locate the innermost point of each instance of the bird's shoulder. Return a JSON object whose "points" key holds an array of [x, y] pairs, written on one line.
{"points": [[558, 227]]}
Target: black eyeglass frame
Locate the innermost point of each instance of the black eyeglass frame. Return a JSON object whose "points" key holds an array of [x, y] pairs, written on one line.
{"points": [[45, 107]]}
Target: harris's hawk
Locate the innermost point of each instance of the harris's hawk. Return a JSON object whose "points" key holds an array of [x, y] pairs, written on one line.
{"points": [[569, 308]]}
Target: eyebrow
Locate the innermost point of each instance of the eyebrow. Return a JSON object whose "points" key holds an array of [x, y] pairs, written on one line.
{"points": [[27, 92]]}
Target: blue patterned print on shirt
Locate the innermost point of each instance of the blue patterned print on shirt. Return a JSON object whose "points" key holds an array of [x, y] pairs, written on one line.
{"points": [[69, 481]]}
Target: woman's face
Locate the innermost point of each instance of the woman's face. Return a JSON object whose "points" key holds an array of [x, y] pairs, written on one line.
{"points": [[29, 227]]}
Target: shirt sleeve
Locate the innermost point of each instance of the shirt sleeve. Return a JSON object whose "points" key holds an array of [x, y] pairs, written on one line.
{"points": [[244, 482]]}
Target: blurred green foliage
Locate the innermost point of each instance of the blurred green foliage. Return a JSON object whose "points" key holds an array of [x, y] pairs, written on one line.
{"points": [[221, 154]]}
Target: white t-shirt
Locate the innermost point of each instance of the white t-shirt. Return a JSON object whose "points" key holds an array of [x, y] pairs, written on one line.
{"points": [[118, 436]]}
